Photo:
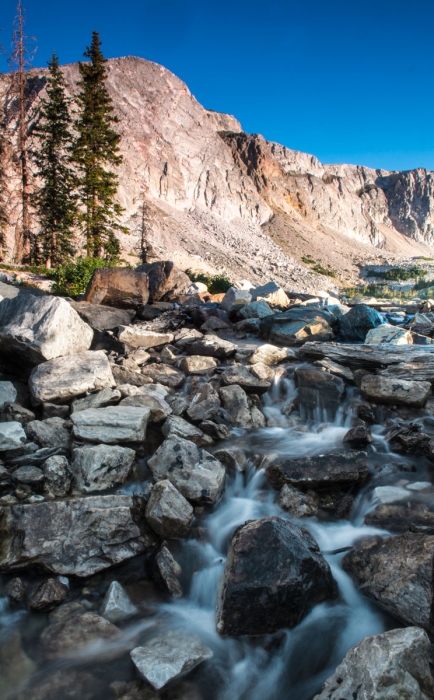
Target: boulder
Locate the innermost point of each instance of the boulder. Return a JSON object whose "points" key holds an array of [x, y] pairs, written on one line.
{"points": [[204, 404], [238, 374], [297, 325], [211, 346], [167, 511], [49, 433], [238, 411], [164, 374], [63, 378], [116, 605], [215, 324], [57, 475], [319, 471], [262, 371], [175, 426], [166, 281], [169, 656], [73, 538], [61, 640], [111, 425], [48, 595], [164, 571], [138, 337], [15, 590], [102, 318], [383, 389], [274, 576], [355, 325], [359, 436], [297, 503], [402, 517], [101, 467], [8, 394], [12, 436], [393, 335], [372, 356], [319, 392], [256, 309], [195, 473], [159, 408], [397, 573], [41, 328], [235, 299], [123, 375], [119, 287], [271, 355], [272, 294], [234, 459], [393, 665], [216, 431], [198, 365], [196, 288], [100, 399], [336, 369]]}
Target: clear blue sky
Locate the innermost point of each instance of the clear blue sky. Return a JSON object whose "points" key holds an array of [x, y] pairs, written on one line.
{"points": [[349, 81]]}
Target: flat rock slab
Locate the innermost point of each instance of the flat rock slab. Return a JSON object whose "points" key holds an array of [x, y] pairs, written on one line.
{"points": [[274, 575], [74, 538], [398, 518], [138, 337], [111, 425], [240, 375], [211, 346], [320, 471], [102, 318], [169, 656], [42, 328], [369, 356], [64, 378], [397, 573], [389, 390]]}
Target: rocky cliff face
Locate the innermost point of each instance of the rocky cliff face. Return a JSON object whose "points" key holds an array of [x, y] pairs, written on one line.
{"points": [[222, 199]]}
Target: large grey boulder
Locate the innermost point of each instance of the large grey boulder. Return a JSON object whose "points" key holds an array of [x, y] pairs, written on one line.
{"points": [[101, 467], [319, 392], [235, 299], [397, 573], [193, 471], [355, 325], [8, 393], [111, 425], [297, 326], [116, 605], [12, 436], [74, 538], [394, 665], [119, 287], [320, 471], [41, 328], [167, 511], [274, 575], [159, 408], [391, 390], [393, 335], [61, 379], [272, 294], [169, 656], [256, 309]]}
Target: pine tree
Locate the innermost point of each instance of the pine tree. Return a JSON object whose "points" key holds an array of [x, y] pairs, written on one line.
{"points": [[96, 147], [55, 201]]}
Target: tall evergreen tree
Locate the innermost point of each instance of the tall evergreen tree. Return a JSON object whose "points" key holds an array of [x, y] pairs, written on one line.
{"points": [[55, 201], [97, 148]]}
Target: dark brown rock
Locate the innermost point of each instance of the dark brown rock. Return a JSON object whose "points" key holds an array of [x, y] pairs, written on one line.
{"points": [[119, 287], [66, 639], [165, 571], [166, 281], [48, 595], [320, 471], [15, 590], [318, 391], [358, 436], [399, 518], [102, 318]]}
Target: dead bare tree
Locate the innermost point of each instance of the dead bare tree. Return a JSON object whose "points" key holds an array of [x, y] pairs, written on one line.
{"points": [[20, 61], [143, 217]]}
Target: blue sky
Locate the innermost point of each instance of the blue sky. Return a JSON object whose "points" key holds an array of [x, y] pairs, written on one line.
{"points": [[348, 81]]}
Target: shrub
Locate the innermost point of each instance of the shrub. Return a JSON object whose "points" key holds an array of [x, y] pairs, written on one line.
{"points": [[72, 278], [308, 261], [217, 284], [396, 274]]}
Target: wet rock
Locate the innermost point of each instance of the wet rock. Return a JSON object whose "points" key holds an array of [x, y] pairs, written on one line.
{"points": [[355, 325], [8, 393], [336, 369], [389, 390], [15, 666], [167, 511], [165, 375], [371, 356], [199, 476], [175, 426], [271, 355], [111, 425], [59, 535], [274, 575], [169, 656], [28, 475], [12, 436], [272, 294], [393, 335], [215, 430], [211, 346], [164, 571], [66, 377], [198, 365], [102, 318], [358, 436], [297, 503], [15, 590], [49, 433], [48, 596], [101, 467], [240, 413], [101, 399], [240, 375], [122, 376], [166, 280], [118, 287], [319, 471], [64, 684], [394, 664], [235, 299], [204, 404], [138, 337], [116, 605], [41, 328], [263, 372], [365, 413], [297, 326], [233, 458], [400, 518], [397, 573], [61, 640], [318, 391], [159, 408]]}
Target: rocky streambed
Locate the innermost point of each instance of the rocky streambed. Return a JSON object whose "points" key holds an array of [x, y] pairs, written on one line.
{"points": [[213, 497]]}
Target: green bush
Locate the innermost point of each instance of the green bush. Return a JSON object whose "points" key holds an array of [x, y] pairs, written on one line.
{"points": [[397, 274], [217, 284], [72, 279], [308, 261]]}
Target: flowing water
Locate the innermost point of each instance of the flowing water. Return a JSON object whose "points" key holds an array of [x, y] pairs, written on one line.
{"points": [[291, 664]]}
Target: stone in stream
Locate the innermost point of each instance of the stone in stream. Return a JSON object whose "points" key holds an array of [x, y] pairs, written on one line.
{"points": [[359, 436], [233, 458], [320, 471], [101, 467], [175, 426], [274, 576], [12, 436], [49, 433], [272, 355], [199, 476], [372, 356], [167, 511], [36, 329], [336, 369], [159, 408], [204, 404], [389, 390], [298, 503], [169, 656], [393, 335], [215, 431], [397, 573], [262, 371], [116, 605], [166, 280], [238, 410], [164, 570], [100, 399], [57, 475], [394, 665], [111, 425], [240, 375], [61, 640], [211, 346], [118, 287], [15, 590], [198, 364], [402, 517], [8, 393], [48, 595], [235, 299], [138, 337], [355, 325], [318, 391], [64, 378], [58, 536], [164, 374]]}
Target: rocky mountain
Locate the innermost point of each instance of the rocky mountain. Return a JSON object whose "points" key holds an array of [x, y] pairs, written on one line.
{"points": [[222, 200]]}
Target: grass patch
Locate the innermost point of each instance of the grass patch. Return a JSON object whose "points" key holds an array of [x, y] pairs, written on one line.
{"points": [[216, 284], [397, 274], [308, 261]]}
